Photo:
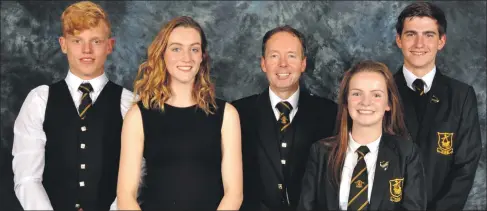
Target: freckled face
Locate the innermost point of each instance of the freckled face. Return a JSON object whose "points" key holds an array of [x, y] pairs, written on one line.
{"points": [[87, 51], [367, 99]]}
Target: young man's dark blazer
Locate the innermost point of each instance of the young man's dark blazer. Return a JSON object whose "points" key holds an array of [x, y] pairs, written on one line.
{"points": [[314, 120], [451, 108], [319, 193]]}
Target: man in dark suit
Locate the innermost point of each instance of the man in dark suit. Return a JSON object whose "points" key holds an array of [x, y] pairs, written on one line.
{"points": [[280, 124], [441, 112]]}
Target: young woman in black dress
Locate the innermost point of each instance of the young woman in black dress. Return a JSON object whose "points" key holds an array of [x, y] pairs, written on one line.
{"points": [[190, 140]]}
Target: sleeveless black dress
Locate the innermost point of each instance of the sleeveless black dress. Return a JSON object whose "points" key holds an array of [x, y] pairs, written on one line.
{"points": [[182, 150]]}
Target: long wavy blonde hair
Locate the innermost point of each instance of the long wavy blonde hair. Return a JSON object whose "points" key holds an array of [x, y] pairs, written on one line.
{"points": [[153, 80]]}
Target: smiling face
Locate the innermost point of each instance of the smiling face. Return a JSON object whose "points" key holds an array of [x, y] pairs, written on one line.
{"points": [[283, 62], [367, 99], [183, 55], [87, 51], [420, 41]]}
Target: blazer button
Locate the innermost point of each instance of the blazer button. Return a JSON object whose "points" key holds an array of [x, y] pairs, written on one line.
{"points": [[279, 186], [83, 128]]}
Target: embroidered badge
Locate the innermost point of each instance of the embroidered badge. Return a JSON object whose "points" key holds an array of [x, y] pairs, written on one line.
{"points": [[359, 184], [283, 120], [395, 188], [384, 165], [445, 143]]}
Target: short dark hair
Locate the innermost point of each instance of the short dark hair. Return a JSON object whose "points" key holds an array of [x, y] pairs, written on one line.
{"points": [[288, 29], [422, 9]]}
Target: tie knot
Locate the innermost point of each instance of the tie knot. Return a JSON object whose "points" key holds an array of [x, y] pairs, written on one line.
{"points": [[85, 88], [418, 86], [284, 107], [363, 150]]}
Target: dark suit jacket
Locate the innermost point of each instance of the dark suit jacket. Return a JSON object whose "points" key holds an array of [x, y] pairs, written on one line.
{"points": [[319, 192], [314, 120], [448, 137]]}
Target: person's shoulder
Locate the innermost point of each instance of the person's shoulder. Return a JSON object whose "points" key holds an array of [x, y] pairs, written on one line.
{"points": [[41, 91], [220, 103], [318, 100], [325, 145], [245, 102], [456, 85], [405, 145]]}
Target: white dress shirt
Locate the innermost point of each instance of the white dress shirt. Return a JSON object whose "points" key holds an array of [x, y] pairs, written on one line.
{"points": [[30, 139], [410, 78], [293, 100], [350, 162]]}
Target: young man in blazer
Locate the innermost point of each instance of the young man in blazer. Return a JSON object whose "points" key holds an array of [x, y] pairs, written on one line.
{"points": [[67, 135], [441, 112], [280, 124]]}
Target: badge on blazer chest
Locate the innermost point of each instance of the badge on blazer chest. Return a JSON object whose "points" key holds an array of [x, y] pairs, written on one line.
{"points": [[445, 143], [395, 188]]}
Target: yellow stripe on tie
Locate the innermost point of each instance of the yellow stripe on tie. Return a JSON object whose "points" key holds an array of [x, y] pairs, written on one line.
{"points": [[88, 106], [350, 202], [285, 126], [285, 105], [83, 97], [83, 87], [358, 174], [363, 205]]}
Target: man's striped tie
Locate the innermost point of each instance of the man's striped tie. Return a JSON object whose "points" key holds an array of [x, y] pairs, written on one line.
{"points": [[284, 108], [85, 102], [358, 196]]}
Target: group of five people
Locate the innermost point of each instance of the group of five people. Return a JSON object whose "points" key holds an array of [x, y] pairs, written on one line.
{"points": [[405, 141]]}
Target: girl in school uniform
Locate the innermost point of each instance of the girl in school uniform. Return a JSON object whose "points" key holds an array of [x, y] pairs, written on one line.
{"points": [[370, 164]]}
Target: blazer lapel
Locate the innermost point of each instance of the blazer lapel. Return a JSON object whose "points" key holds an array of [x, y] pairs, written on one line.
{"points": [[407, 102], [437, 97], [332, 191], [387, 160], [268, 132]]}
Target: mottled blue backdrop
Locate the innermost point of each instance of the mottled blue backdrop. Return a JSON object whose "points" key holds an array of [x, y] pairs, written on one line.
{"points": [[338, 33]]}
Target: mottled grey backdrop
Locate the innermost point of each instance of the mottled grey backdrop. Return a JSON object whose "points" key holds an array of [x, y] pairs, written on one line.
{"points": [[338, 33]]}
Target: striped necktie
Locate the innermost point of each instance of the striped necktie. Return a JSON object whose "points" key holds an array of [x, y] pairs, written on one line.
{"points": [[284, 108], [357, 198], [85, 102], [418, 86]]}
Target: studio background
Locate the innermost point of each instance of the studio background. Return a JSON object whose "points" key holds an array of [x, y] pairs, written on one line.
{"points": [[338, 35]]}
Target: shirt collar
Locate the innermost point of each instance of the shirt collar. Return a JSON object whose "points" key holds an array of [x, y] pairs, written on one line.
{"points": [[410, 78], [293, 99], [373, 146], [97, 83]]}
